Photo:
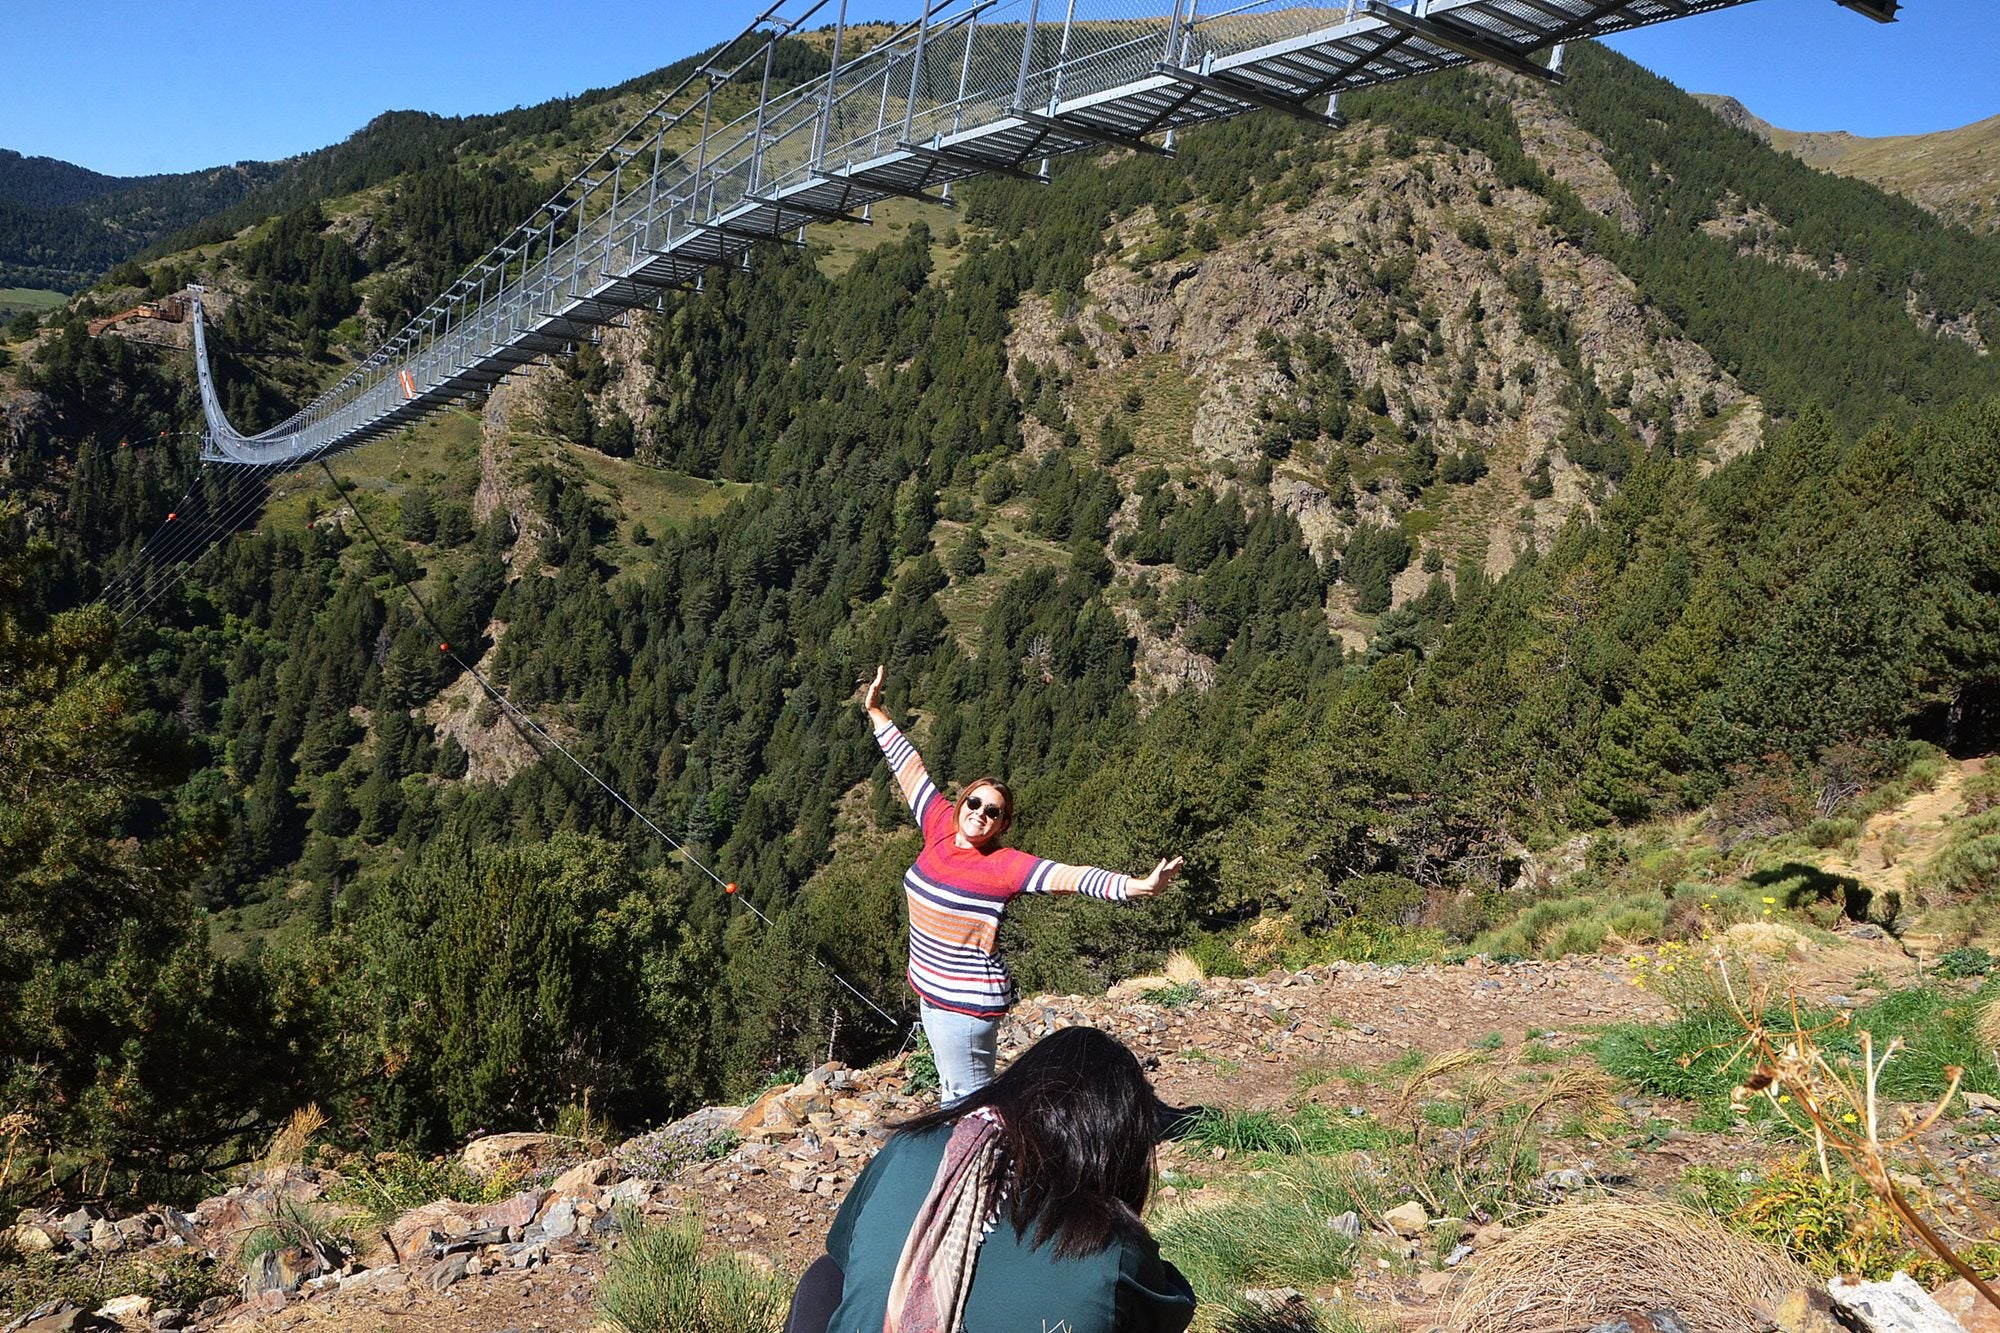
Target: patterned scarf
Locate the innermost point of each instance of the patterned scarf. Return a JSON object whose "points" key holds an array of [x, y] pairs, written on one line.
{"points": [[934, 1275]]}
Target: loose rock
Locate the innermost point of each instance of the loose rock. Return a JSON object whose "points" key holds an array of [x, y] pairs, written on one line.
{"points": [[1408, 1220], [1896, 1306]]}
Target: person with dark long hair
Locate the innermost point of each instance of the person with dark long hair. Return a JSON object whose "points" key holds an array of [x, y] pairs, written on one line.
{"points": [[956, 891], [1015, 1209]]}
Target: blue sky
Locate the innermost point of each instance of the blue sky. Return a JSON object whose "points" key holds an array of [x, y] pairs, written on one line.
{"points": [[130, 87]]}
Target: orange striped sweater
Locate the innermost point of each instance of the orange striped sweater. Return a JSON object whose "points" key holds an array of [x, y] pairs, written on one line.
{"points": [[956, 895]]}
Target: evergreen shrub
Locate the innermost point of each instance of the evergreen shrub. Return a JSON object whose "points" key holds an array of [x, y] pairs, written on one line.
{"points": [[658, 1281]]}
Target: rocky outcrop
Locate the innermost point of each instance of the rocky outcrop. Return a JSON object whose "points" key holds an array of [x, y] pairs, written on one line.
{"points": [[1190, 336]]}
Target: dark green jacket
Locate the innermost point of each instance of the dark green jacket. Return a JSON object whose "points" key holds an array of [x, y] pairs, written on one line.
{"points": [[1125, 1288]]}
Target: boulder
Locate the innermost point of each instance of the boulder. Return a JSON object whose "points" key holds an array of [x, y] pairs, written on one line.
{"points": [[57, 1316], [690, 1131], [581, 1181], [410, 1233], [1896, 1306], [557, 1220], [1805, 1310], [806, 1101], [134, 1306], [77, 1225], [448, 1272], [32, 1238], [486, 1157], [221, 1222], [300, 1184], [1959, 1300], [1274, 1300], [269, 1301], [524, 1255], [514, 1212], [1435, 1284], [758, 1114], [380, 1280]]}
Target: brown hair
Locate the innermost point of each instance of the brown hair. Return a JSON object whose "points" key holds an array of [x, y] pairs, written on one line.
{"points": [[1006, 793]]}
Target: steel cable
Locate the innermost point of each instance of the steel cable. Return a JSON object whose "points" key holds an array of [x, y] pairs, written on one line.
{"points": [[522, 718]]}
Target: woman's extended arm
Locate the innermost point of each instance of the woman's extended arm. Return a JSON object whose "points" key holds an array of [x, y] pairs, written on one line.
{"points": [[1092, 882], [904, 761]]}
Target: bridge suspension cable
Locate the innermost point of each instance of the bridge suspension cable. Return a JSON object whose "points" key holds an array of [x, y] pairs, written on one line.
{"points": [[970, 88], [542, 738]]}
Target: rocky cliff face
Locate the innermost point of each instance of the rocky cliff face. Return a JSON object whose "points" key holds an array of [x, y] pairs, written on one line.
{"points": [[1410, 268]]}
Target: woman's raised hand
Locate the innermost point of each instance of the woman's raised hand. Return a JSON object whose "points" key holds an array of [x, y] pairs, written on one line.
{"points": [[1163, 875], [871, 702]]}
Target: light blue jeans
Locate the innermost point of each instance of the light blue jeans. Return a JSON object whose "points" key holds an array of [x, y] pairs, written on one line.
{"points": [[964, 1048]]}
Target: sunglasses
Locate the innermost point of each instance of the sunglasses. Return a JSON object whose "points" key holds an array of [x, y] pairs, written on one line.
{"points": [[994, 809]]}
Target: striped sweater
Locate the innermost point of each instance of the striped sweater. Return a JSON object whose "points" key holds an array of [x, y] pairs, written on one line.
{"points": [[956, 895]]}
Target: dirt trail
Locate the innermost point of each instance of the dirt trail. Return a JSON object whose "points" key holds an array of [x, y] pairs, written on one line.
{"points": [[1897, 841]]}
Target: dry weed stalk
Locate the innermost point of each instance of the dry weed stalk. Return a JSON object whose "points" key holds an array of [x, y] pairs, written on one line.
{"points": [[1838, 1105], [1489, 1147], [289, 1145], [15, 1126]]}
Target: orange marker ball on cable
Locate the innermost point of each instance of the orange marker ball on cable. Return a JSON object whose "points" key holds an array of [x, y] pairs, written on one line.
{"points": [[729, 888]]}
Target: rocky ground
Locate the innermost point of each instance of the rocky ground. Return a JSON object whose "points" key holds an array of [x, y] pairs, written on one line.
{"points": [[767, 1179]]}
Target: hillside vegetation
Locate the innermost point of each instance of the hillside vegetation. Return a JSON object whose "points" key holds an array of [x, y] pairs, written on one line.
{"points": [[1405, 523], [62, 226]]}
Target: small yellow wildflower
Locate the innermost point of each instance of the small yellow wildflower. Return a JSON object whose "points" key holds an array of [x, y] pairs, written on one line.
{"points": [[1770, 900], [1850, 1118]]}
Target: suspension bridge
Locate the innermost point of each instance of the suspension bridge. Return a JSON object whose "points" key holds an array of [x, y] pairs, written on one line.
{"points": [[970, 88]]}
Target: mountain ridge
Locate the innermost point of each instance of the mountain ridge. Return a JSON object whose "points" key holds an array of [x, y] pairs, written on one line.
{"points": [[1954, 173]]}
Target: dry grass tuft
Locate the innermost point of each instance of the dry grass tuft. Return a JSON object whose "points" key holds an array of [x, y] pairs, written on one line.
{"points": [[1585, 1262], [1765, 939], [1989, 1024], [289, 1147], [1181, 968]]}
